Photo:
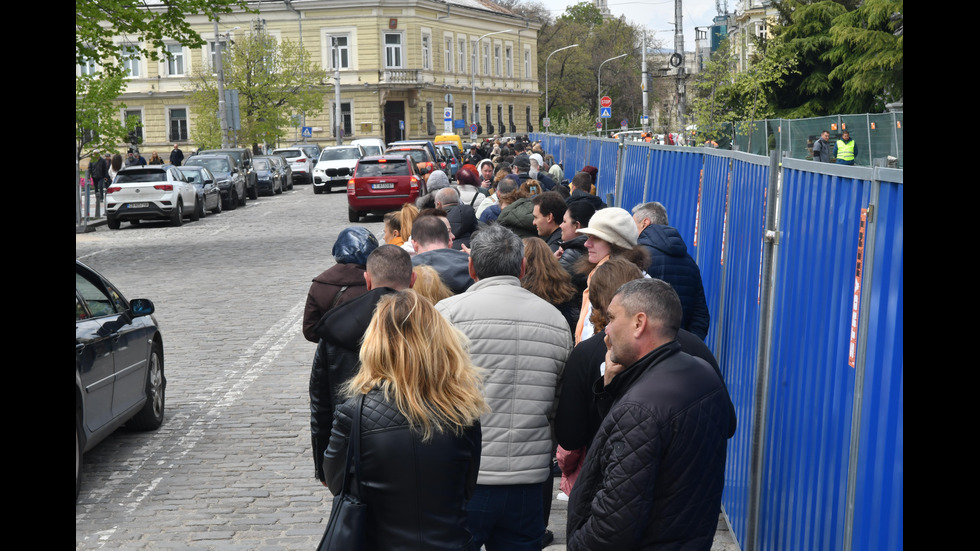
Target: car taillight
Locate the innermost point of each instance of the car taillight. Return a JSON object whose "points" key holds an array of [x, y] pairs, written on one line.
{"points": [[113, 189], [164, 187], [413, 182], [350, 186], [301, 160]]}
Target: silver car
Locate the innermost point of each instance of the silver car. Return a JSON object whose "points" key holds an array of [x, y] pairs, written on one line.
{"points": [[151, 192]]}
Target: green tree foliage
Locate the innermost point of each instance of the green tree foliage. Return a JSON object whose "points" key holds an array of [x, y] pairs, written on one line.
{"points": [[713, 97], [274, 79], [868, 52], [143, 25], [97, 124], [573, 74], [849, 54]]}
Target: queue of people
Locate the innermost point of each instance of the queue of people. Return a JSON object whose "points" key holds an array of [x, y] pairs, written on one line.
{"points": [[472, 375]]}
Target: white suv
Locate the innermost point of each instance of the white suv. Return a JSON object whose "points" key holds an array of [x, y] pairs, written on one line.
{"points": [[152, 192], [299, 161], [336, 167]]}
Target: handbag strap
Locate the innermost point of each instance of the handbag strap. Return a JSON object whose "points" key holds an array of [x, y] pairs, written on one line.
{"points": [[354, 448]]}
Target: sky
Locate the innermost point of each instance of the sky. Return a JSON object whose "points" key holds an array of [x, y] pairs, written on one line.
{"points": [[656, 15]]}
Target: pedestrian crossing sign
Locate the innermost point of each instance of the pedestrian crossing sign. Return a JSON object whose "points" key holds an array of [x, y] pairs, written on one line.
{"points": [[605, 112]]}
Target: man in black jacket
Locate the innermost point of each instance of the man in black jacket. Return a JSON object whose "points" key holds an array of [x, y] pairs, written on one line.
{"points": [[389, 269], [670, 261], [654, 473]]}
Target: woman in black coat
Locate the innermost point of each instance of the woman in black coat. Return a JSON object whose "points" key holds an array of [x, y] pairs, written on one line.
{"points": [[420, 433]]}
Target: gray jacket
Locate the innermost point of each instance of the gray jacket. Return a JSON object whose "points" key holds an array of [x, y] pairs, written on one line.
{"points": [[522, 343]]}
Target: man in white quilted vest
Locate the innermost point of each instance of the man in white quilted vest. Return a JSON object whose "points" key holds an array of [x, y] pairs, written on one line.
{"points": [[522, 343]]}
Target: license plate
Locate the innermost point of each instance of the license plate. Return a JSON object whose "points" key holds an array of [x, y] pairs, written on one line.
{"points": [[138, 205], [382, 186]]}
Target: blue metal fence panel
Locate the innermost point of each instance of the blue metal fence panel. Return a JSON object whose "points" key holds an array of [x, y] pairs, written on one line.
{"points": [[576, 154], [879, 501], [634, 174], [674, 181], [604, 157], [811, 386], [738, 333]]}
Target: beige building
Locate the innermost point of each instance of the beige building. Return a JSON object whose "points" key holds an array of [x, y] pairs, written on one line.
{"points": [[751, 21], [400, 61]]}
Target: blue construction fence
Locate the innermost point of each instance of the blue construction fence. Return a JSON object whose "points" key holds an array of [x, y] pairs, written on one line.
{"points": [[802, 265]]}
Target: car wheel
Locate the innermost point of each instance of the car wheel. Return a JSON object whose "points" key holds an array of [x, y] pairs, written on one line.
{"points": [[232, 201], [177, 216], [217, 208], [112, 222], [244, 198], [353, 215], [278, 190], [253, 193], [198, 210], [316, 191], [78, 455], [151, 416]]}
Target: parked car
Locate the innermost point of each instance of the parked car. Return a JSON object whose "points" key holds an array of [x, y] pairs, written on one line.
{"points": [[450, 160], [427, 144], [299, 161], [151, 192], [269, 178], [231, 179], [243, 156], [335, 167], [424, 156], [383, 183], [372, 146], [285, 171], [119, 376], [311, 149], [208, 192]]}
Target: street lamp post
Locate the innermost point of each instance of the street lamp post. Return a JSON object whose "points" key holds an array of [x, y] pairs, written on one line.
{"points": [[546, 81], [599, 97], [473, 78]]}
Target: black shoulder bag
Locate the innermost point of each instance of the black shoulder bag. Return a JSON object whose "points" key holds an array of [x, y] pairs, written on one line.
{"points": [[347, 526]]}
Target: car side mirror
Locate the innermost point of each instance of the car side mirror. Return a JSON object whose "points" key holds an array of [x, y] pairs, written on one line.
{"points": [[142, 306]]}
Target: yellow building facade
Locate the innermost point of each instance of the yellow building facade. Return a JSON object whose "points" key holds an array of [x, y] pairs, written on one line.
{"points": [[402, 63]]}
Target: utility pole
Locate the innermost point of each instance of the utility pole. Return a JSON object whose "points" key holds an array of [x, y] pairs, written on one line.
{"points": [[679, 49], [222, 108], [644, 86], [339, 128]]}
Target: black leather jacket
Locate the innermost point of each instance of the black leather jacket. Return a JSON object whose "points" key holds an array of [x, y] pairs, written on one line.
{"points": [[416, 491]]}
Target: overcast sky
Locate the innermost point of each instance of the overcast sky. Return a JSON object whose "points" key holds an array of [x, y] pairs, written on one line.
{"points": [[657, 15]]}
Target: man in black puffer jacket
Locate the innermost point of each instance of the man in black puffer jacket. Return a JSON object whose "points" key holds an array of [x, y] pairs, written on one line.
{"points": [[389, 269], [670, 262], [655, 471]]}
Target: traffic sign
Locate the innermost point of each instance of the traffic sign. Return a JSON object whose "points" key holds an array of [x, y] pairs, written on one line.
{"points": [[547, 122], [606, 101], [473, 128], [307, 132], [624, 124], [605, 113], [447, 114], [598, 125], [401, 125]]}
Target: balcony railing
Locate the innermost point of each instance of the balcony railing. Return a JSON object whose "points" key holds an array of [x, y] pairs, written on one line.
{"points": [[401, 76]]}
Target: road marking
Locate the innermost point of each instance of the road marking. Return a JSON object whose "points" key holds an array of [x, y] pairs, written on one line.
{"points": [[181, 434]]}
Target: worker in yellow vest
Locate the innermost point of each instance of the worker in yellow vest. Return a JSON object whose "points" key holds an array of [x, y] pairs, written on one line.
{"points": [[846, 149]]}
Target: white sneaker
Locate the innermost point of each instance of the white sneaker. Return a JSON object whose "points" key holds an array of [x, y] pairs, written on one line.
{"points": [[561, 496]]}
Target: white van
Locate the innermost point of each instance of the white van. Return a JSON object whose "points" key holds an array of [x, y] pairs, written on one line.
{"points": [[372, 146]]}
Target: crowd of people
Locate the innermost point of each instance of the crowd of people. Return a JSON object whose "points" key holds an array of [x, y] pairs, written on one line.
{"points": [[506, 329]]}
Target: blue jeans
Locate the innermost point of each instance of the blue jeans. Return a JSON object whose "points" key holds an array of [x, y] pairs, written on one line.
{"points": [[506, 517]]}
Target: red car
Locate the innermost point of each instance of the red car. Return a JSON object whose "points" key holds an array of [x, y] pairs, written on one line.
{"points": [[383, 183]]}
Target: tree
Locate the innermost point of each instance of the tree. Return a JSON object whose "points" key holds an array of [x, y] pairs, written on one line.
{"points": [[97, 124], [710, 105], [274, 79], [868, 53], [145, 27]]}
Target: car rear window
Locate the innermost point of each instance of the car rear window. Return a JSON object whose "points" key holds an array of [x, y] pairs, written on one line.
{"points": [[289, 153], [261, 164], [140, 176], [417, 154], [369, 169], [214, 165]]}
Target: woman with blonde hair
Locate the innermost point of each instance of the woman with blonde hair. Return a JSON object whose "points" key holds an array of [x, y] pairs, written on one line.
{"points": [[398, 224], [420, 433], [545, 277], [429, 284]]}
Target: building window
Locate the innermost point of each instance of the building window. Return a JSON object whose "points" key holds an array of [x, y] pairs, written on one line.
{"points": [[527, 63], [393, 50], [346, 118], [486, 59], [131, 62], [462, 56], [509, 57], [500, 118], [88, 68], [213, 51], [527, 117], [136, 135], [510, 114], [426, 51], [178, 124], [465, 117], [496, 60], [340, 47], [449, 54], [175, 60]]}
